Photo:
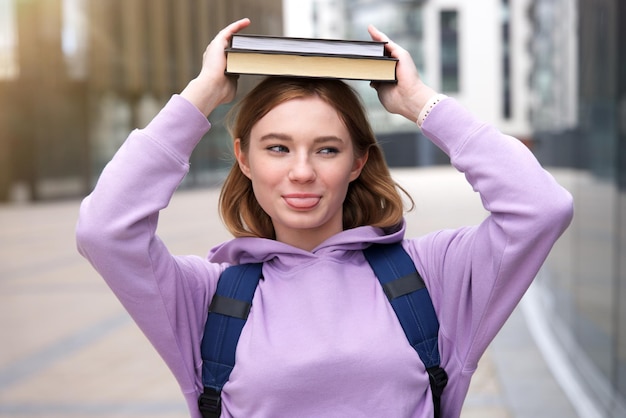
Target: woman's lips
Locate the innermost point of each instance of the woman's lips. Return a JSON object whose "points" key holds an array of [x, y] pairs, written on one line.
{"points": [[302, 201]]}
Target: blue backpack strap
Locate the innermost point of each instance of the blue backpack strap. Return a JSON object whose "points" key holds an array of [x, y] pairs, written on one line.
{"points": [[411, 301], [227, 315]]}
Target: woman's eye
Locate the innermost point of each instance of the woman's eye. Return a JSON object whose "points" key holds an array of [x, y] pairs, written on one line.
{"points": [[278, 148], [329, 151]]}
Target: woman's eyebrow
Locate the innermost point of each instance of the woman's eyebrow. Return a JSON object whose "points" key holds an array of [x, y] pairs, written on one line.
{"points": [[274, 135], [329, 138], [285, 137]]}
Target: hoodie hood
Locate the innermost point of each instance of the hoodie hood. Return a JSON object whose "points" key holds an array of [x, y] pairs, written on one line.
{"points": [[255, 250]]}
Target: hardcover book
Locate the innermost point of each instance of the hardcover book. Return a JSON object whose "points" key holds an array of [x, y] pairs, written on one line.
{"points": [[352, 67], [308, 45], [309, 57]]}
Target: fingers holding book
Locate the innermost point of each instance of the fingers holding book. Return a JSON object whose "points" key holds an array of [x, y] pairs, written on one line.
{"points": [[213, 87], [408, 96]]}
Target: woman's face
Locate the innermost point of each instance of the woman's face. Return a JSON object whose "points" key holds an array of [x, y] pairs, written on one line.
{"points": [[300, 161]]}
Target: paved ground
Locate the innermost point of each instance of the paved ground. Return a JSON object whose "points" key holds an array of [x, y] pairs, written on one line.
{"points": [[68, 349]]}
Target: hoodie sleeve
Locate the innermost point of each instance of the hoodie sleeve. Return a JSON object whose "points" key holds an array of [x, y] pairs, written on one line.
{"points": [[477, 275], [166, 295]]}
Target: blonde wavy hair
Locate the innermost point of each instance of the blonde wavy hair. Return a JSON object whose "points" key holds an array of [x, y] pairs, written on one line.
{"points": [[372, 199]]}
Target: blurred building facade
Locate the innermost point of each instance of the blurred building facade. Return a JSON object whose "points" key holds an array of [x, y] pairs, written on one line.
{"points": [[77, 75], [474, 51], [579, 119]]}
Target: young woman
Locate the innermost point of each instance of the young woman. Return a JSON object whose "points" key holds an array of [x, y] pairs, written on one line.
{"points": [[308, 192]]}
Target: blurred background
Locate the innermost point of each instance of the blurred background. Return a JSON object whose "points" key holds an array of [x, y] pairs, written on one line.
{"points": [[77, 75]]}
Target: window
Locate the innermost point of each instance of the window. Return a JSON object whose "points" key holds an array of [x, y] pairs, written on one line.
{"points": [[507, 111], [449, 51], [74, 38], [8, 40]]}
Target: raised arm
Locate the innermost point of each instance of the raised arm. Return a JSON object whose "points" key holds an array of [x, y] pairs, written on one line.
{"points": [[476, 275], [166, 295]]}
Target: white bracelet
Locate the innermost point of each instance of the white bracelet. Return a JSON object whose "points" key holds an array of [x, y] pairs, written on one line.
{"points": [[430, 105]]}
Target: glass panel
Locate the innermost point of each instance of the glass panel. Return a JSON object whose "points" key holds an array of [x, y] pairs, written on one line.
{"points": [[595, 271], [74, 37], [449, 51], [621, 294], [8, 40]]}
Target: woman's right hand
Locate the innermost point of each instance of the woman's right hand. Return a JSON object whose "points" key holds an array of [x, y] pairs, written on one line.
{"points": [[212, 87]]}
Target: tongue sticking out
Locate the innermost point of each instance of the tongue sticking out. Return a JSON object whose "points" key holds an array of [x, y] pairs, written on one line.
{"points": [[305, 202]]}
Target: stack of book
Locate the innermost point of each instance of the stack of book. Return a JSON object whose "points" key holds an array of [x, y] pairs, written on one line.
{"points": [[309, 57]]}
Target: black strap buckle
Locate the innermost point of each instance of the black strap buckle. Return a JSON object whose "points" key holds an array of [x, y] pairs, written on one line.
{"points": [[210, 403], [438, 380]]}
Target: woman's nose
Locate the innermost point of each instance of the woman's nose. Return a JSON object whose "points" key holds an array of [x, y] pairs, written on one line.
{"points": [[302, 170]]}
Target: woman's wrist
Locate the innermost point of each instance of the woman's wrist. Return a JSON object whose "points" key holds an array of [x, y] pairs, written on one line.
{"points": [[201, 96], [430, 104], [419, 99]]}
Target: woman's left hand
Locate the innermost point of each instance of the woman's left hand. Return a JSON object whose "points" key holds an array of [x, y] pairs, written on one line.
{"points": [[408, 96]]}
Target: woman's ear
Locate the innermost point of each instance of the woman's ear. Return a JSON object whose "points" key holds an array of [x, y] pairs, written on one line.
{"points": [[357, 167], [242, 158]]}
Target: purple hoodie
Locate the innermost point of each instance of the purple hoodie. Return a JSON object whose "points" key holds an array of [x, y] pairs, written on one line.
{"points": [[321, 339]]}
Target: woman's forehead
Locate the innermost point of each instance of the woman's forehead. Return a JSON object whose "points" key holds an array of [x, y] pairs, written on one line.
{"points": [[302, 113]]}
